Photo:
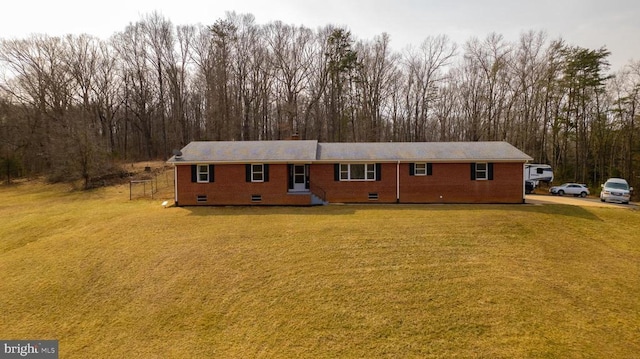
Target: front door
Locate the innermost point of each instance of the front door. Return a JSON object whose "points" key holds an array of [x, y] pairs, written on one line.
{"points": [[299, 178]]}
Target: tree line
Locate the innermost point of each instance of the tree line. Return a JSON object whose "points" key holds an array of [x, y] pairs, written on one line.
{"points": [[72, 106]]}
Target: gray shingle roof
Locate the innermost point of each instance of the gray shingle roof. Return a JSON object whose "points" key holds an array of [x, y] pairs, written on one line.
{"points": [[421, 151], [247, 151], [312, 151]]}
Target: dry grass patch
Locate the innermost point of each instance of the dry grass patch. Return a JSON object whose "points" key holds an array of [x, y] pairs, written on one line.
{"points": [[110, 277]]}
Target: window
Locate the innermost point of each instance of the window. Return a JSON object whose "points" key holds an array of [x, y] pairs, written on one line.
{"points": [[256, 198], [373, 196], [420, 169], [344, 172], [203, 173], [257, 172], [357, 172], [202, 198], [481, 171]]}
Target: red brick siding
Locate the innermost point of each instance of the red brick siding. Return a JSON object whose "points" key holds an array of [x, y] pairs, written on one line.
{"points": [[452, 181], [322, 175], [231, 188], [449, 183]]}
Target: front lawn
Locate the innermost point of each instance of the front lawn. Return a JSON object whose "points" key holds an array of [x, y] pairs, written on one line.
{"points": [[113, 278]]}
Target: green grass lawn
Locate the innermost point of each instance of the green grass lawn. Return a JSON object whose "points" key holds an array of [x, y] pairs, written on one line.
{"points": [[113, 278]]}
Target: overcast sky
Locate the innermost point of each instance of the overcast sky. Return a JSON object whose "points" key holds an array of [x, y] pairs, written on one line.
{"points": [[586, 23]]}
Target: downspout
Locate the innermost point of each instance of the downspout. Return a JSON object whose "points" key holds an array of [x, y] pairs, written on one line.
{"points": [[524, 186], [175, 183], [398, 182]]}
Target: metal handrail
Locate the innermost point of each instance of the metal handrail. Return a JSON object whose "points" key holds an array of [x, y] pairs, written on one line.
{"points": [[315, 189]]}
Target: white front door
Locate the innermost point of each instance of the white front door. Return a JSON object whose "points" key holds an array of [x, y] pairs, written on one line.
{"points": [[299, 178]]}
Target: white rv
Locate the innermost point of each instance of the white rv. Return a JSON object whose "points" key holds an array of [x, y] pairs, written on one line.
{"points": [[538, 173]]}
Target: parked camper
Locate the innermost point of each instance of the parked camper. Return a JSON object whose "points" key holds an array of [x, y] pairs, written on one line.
{"points": [[538, 173]]}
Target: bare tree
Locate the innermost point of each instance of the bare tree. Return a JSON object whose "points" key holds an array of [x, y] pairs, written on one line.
{"points": [[426, 70], [378, 70], [89, 151], [41, 82], [529, 69], [139, 98], [292, 57], [248, 60], [108, 99], [489, 60], [620, 154], [12, 146], [158, 35]]}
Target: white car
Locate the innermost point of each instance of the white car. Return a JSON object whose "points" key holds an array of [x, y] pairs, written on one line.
{"points": [[575, 189], [616, 190]]}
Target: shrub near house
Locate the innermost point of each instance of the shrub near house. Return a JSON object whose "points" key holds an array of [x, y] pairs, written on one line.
{"points": [[309, 172]]}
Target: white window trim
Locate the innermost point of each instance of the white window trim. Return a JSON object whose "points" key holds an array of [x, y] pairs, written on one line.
{"points": [[199, 173], [369, 172], [485, 172], [420, 171], [253, 173]]}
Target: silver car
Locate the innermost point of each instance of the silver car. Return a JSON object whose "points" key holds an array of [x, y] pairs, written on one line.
{"points": [[575, 189], [616, 190]]}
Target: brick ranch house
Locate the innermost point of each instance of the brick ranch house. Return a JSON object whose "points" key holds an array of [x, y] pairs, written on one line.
{"points": [[306, 172]]}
